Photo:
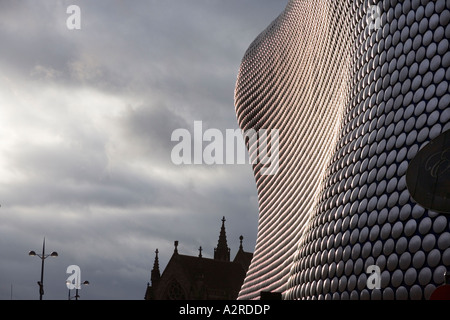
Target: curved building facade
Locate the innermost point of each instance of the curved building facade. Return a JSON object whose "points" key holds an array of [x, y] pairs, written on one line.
{"points": [[355, 90]]}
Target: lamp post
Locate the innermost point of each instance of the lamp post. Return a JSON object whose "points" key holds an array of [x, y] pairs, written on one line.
{"points": [[42, 256], [76, 290]]}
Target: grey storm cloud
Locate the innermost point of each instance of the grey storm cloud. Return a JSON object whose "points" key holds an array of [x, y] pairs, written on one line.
{"points": [[148, 130], [86, 123]]}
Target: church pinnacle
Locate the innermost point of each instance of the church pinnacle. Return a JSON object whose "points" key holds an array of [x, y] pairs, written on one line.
{"points": [[156, 274], [222, 252]]}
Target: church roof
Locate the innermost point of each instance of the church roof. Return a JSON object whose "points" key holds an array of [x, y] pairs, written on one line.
{"points": [[244, 258], [214, 274], [196, 277]]}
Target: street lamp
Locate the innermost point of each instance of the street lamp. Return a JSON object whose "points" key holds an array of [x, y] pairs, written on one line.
{"points": [[76, 290], [43, 256]]}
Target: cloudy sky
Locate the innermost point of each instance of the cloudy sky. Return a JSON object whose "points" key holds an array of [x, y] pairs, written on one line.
{"points": [[85, 138]]}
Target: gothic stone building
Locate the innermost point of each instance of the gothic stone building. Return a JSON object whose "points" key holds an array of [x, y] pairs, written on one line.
{"points": [[199, 278]]}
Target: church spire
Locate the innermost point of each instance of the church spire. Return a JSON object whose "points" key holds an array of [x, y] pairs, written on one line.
{"points": [[222, 252], [156, 274]]}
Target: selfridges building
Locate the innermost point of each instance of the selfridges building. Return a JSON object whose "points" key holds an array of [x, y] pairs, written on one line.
{"points": [[355, 89]]}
